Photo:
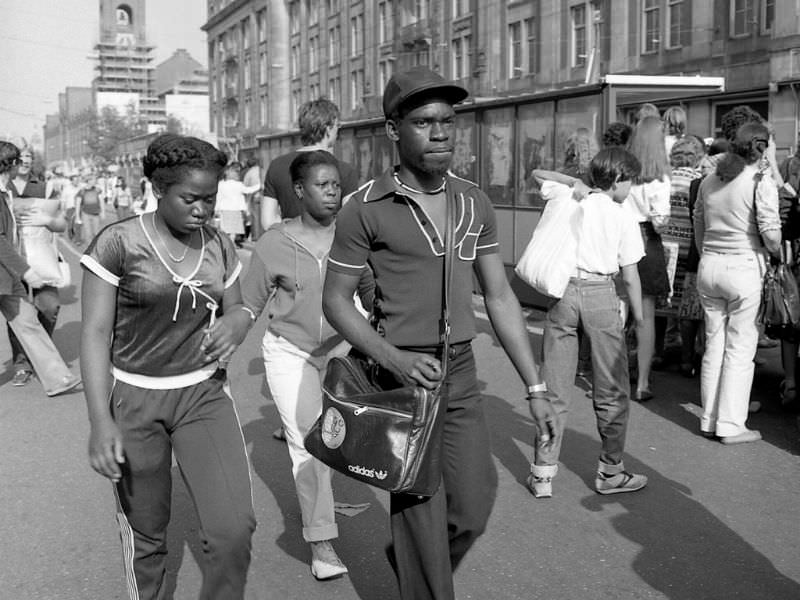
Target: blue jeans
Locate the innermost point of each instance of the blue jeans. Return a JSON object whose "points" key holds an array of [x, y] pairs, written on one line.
{"points": [[593, 307]]}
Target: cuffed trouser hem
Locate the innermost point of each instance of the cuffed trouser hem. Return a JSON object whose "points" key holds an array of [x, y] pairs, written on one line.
{"points": [[320, 534]]}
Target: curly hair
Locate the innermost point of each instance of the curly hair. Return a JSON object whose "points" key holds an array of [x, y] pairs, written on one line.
{"points": [[735, 118], [617, 134], [169, 157], [314, 118], [748, 146], [647, 144], [686, 152], [9, 154]]}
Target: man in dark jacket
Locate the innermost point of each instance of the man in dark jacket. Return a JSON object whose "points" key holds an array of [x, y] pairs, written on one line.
{"points": [[20, 314]]}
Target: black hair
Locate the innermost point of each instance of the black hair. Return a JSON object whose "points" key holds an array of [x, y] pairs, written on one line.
{"points": [[748, 147], [314, 118], [169, 157], [735, 118], [617, 134], [305, 161], [611, 165], [9, 155], [718, 146]]}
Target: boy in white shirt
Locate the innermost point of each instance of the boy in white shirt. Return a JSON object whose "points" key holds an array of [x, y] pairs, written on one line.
{"points": [[608, 240]]}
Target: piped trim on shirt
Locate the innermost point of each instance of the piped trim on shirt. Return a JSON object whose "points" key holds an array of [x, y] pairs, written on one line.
{"points": [[346, 265], [170, 382], [232, 279], [99, 270]]}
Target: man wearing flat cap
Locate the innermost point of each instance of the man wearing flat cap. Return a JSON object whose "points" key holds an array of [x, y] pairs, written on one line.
{"points": [[395, 224]]}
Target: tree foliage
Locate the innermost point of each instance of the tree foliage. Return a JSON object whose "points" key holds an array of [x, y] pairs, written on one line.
{"points": [[108, 128]]}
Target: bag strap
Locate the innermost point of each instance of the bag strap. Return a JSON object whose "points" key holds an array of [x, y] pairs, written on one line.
{"points": [[449, 234]]}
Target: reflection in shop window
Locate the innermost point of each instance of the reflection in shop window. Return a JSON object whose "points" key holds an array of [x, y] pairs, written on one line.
{"points": [[498, 143], [535, 123], [463, 163]]}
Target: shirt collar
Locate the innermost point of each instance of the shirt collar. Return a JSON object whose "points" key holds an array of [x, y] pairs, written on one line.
{"points": [[385, 185]]}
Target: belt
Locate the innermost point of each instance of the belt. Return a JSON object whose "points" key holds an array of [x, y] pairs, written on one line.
{"points": [[590, 276]]}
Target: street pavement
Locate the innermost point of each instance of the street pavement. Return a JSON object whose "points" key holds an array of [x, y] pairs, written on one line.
{"points": [[715, 522]]}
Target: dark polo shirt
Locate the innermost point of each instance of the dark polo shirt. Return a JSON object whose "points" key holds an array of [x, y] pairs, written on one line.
{"points": [[278, 183], [382, 226]]}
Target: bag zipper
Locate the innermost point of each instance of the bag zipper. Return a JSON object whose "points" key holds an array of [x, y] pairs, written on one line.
{"points": [[360, 409]]}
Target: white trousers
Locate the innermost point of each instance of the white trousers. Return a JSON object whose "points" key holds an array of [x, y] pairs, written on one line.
{"points": [[730, 292], [294, 380]]}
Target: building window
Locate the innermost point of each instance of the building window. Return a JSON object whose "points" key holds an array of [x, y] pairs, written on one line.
{"points": [[767, 16], [530, 39], [420, 9], [460, 7], [674, 10], [383, 22], [741, 17], [313, 12], [457, 52], [296, 101], [335, 90], [262, 110], [651, 24], [247, 109], [294, 17], [313, 91], [313, 54], [261, 23], [246, 33], [262, 68], [578, 17], [295, 61], [357, 35], [333, 7], [334, 43], [384, 74], [247, 73], [356, 88], [515, 50]]}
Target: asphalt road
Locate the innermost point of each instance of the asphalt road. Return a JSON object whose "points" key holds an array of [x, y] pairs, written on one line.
{"points": [[715, 522]]}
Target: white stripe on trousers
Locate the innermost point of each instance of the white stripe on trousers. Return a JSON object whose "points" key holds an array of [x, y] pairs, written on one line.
{"points": [[126, 537]]}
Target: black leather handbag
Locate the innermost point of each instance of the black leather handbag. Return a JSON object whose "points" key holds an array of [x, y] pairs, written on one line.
{"points": [[387, 436]]}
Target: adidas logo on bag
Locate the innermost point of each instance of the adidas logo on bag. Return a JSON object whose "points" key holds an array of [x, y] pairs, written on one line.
{"points": [[364, 472]]}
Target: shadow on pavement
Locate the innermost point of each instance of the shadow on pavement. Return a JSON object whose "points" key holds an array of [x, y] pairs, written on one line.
{"points": [[362, 538], [686, 552]]}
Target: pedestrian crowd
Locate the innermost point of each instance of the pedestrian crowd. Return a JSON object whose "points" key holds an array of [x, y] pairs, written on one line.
{"points": [[671, 240]]}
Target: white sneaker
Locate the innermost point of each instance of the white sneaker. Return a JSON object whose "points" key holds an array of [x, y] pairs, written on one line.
{"points": [[325, 564]]}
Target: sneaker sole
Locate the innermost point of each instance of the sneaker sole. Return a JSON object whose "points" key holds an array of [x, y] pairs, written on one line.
{"points": [[620, 490]]}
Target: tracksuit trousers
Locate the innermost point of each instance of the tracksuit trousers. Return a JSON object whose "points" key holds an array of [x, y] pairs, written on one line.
{"points": [[200, 426], [431, 535]]}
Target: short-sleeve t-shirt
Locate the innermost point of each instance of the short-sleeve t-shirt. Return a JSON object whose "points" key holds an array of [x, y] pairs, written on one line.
{"points": [[383, 227], [146, 340], [278, 183], [609, 236]]}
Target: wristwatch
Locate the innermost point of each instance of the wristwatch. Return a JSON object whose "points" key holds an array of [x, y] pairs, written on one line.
{"points": [[536, 389]]}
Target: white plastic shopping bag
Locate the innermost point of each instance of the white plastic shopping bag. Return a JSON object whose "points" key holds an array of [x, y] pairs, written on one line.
{"points": [[551, 256]]}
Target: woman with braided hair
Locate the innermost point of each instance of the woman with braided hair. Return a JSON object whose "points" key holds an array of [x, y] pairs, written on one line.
{"points": [[164, 288]]}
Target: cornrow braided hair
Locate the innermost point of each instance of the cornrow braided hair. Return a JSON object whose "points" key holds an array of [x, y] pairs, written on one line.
{"points": [[170, 156]]}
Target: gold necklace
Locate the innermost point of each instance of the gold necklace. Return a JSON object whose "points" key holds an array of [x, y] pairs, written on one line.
{"points": [[164, 243]]}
